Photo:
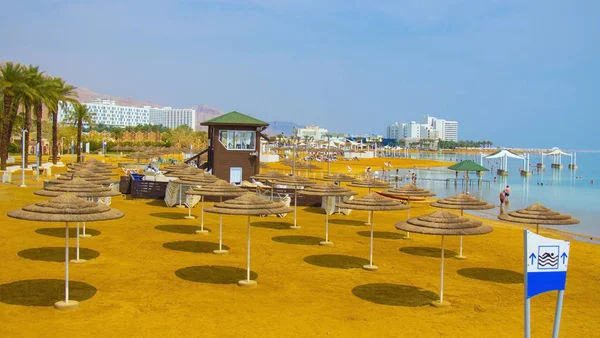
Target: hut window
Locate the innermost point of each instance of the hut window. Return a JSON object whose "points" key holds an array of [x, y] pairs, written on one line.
{"points": [[237, 139]]}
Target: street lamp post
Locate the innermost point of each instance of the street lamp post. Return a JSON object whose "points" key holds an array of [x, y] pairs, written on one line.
{"points": [[23, 159]]}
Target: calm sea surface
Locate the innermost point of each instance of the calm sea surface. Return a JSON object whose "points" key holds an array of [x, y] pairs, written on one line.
{"points": [[562, 190]]}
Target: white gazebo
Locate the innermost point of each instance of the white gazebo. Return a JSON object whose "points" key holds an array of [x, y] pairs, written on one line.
{"points": [[503, 155], [556, 154]]}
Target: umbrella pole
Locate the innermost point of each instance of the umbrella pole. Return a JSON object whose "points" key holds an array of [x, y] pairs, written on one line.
{"points": [[460, 251], [368, 213], [295, 208], [441, 303], [66, 304], [371, 267], [326, 242], [202, 231], [248, 282], [220, 251], [77, 260], [83, 234], [407, 218]]}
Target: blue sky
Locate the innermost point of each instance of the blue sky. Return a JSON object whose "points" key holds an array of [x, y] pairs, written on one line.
{"points": [[519, 73]]}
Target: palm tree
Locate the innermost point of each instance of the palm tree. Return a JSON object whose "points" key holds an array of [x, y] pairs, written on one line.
{"points": [[14, 86], [62, 93], [78, 116]]}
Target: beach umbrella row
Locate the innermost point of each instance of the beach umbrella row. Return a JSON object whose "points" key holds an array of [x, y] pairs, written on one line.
{"points": [[296, 182]]}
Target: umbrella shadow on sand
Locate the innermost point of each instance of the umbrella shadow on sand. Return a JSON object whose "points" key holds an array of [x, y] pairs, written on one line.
{"points": [[169, 215], [394, 294], [57, 254], [272, 225], [298, 240], [381, 234], [158, 203], [492, 275], [213, 274], [314, 210], [427, 252], [351, 222], [60, 232], [336, 261], [180, 228], [193, 246], [42, 292]]}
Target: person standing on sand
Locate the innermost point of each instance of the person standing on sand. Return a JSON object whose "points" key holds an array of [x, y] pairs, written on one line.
{"points": [[507, 193], [502, 197]]}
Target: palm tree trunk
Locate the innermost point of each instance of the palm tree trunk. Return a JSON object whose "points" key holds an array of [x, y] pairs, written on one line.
{"points": [[55, 137], [5, 132], [27, 125], [79, 130], [38, 115]]}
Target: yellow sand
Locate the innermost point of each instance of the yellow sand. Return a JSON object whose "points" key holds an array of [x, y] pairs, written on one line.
{"points": [[303, 290]]}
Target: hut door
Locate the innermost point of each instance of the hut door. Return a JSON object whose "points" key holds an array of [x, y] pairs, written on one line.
{"points": [[235, 175]]}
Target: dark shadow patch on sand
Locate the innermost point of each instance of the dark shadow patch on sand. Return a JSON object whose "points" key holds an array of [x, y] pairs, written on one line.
{"points": [[43, 292], [60, 232], [214, 274], [169, 215], [351, 222], [394, 294], [492, 275], [428, 252], [272, 225], [180, 228], [298, 240], [381, 234], [57, 254], [193, 246], [312, 210], [336, 261], [157, 203]]}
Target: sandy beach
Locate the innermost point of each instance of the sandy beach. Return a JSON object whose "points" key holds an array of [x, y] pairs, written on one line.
{"points": [[149, 274]]}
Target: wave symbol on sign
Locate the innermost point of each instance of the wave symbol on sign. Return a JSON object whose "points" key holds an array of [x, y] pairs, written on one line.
{"points": [[548, 260]]}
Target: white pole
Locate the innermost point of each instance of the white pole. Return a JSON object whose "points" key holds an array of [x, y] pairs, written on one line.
{"points": [[442, 274], [23, 160], [77, 241], [295, 207], [558, 313], [220, 232], [37, 161], [67, 263], [248, 270], [326, 226], [202, 215], [371, 250], [527, 323]]}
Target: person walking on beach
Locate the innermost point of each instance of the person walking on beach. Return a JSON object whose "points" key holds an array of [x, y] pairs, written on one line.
{"points": [[507, 193], [502, 198]]}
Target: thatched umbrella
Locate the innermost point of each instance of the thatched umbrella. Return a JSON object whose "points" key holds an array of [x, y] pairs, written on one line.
{"points": [[339, 177], [66, 208], [92, 168], [538, 214], [80, 188], [86, 175], [369, 183], [116, 148], [462, 202], [327, 190], [248, 204], [269, 177], [221, 189], [372, 202], [409, 192], [295, 181], [444, 223], [176, 167], [194, 180]]}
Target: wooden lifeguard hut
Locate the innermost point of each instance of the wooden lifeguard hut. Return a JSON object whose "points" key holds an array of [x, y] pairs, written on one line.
{"points": [[234, 146]]}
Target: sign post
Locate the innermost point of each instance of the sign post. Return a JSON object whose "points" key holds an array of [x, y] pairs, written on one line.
{"points": [[545, 268]]}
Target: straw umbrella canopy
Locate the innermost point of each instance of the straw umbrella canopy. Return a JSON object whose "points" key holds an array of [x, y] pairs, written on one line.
{"points": [[176, 167], [372, 202], [327, 190], [369, 183], [221, 189], [248, 204], [86, 175], [295, 181], [184, 172], [80, 188], [538, 214], [116, 148], [409, 192], [66, 208], [269, 177], [444, 223], [199, 179], [339, 177], [92, 168], [462, 202]]}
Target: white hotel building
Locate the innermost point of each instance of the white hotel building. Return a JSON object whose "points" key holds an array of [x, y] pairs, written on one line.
{"points": [[431, 128], [111, 114]]}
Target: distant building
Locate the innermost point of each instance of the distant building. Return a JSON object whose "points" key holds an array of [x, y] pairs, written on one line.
{"points": [[313, 131], [109, 113], [431, 128]]}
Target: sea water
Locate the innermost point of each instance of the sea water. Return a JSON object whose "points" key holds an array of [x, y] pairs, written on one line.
{"points": [[564, 190]]}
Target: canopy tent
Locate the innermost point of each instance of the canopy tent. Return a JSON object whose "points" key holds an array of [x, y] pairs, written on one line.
{"points": [[556, 155], [504, 154]]}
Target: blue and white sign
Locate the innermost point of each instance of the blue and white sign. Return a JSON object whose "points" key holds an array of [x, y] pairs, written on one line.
{"points": [[547, 262]]}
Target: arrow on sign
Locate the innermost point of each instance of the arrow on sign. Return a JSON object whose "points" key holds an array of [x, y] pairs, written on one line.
{"points": [[564, 256], [532, 257]]}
